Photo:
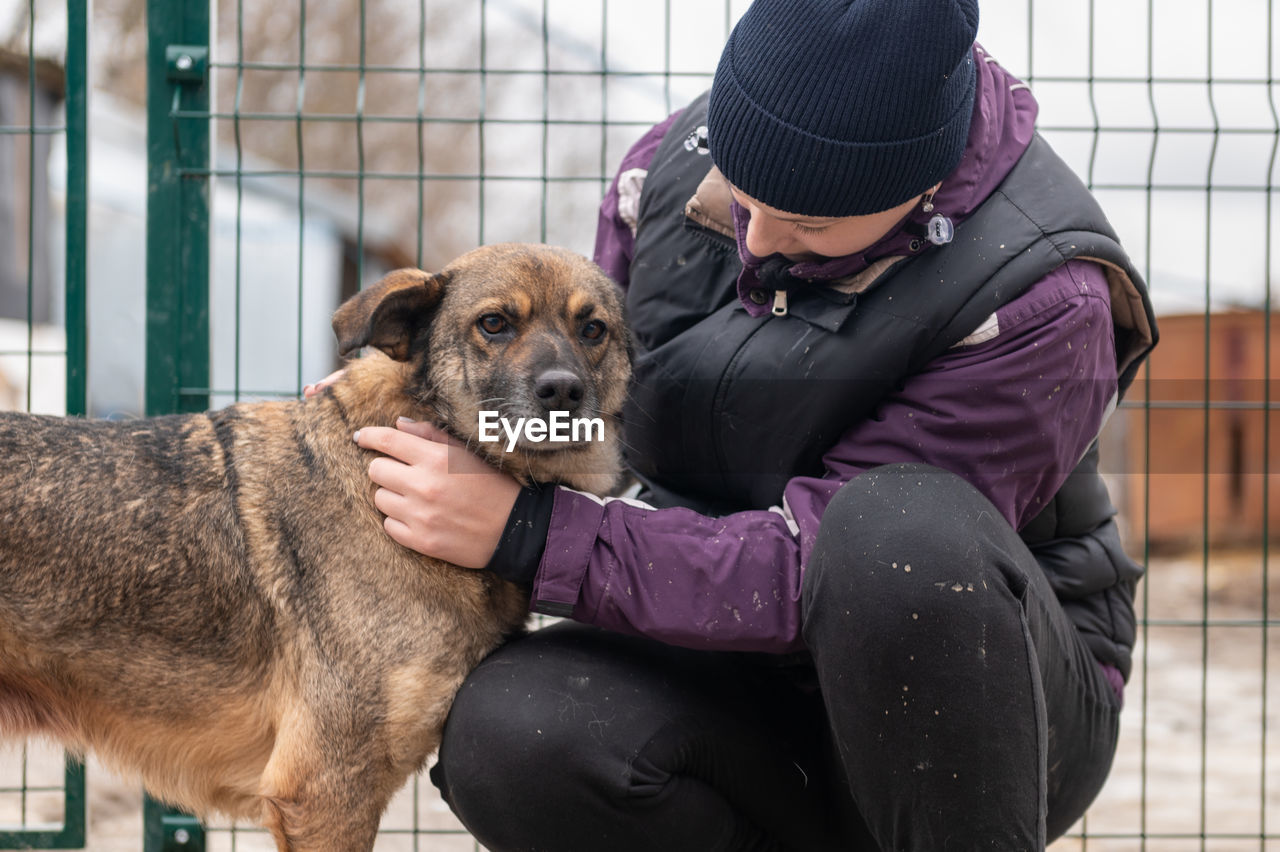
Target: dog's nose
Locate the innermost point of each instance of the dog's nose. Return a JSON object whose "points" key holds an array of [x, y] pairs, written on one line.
{"points": [[558, 390]]}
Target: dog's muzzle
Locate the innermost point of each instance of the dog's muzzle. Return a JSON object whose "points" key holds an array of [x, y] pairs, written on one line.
{"points": [[559, 390]]}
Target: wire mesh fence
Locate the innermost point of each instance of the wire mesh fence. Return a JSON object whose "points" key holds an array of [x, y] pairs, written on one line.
{"points": [[43, 88], [347, 137]]}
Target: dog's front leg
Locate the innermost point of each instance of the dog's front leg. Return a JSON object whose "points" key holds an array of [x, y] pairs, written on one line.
{"points": [[321, 824], [322, 794]]}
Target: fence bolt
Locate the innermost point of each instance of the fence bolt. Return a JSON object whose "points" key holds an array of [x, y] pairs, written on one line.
{"points": [[186, 63], [167, 830]]}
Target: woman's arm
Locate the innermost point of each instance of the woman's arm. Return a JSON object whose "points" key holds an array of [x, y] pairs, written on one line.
{"points": [[1011, 413]]}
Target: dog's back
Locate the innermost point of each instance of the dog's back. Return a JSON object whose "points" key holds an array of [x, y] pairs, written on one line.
{"points": [[116, 532], [124, 582]]}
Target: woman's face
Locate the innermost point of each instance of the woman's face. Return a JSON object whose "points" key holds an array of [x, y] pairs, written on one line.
{"points": [[800, 238]]}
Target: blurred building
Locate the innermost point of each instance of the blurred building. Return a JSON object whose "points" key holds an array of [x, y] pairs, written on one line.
{"points": [[1207, 438]]}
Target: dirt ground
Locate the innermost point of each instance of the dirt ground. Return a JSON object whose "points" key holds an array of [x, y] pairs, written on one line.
{"points": [[1198, 766], [1200, 740]]}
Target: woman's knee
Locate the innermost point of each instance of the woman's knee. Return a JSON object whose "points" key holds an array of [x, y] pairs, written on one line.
{"points": [[559, 734], [493, 749], [561, 738], [903, 500], [906, 542]]}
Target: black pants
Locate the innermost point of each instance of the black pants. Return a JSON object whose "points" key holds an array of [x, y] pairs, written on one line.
{"points": [[949, 704]]}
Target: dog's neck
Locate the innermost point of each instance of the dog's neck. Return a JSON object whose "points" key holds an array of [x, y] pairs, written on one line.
{"points": [[373, 392], [377, 390]]}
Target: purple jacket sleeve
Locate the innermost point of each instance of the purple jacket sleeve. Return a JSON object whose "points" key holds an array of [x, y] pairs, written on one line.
{"points": [[672, 574], [1011, 412], [1011, 409]]}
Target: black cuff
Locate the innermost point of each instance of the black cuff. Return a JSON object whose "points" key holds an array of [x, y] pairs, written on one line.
{"points": [[525, 537]]}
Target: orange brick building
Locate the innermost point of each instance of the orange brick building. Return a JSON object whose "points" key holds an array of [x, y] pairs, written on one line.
{"points": [[1203, 436]]}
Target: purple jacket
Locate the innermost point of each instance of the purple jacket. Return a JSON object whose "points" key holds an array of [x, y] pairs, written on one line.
{"points": [[734, 582]]}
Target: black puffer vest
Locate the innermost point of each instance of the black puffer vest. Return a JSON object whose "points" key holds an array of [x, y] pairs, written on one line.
{"points": [[726, 408]]}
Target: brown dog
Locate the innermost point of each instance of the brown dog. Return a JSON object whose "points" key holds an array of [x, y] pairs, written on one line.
{"points": [[210, 601]]}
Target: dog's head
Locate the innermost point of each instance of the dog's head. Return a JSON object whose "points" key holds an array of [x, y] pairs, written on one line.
{"points": [[502, 337]]}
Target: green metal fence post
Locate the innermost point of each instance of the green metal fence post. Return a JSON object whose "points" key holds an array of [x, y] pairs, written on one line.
{"points": [[177, 376], [177, 371], [76, 319], [77, 226], [166, 830]]}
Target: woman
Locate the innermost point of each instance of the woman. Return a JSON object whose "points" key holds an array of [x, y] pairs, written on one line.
{"points": [[872, 595]]}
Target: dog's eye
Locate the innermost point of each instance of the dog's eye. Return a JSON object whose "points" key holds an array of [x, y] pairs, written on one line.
{"points": [[492, 324], [593, 330]]}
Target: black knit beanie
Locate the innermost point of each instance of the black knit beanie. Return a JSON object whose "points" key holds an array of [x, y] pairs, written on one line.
{"points": [[843, 107]]}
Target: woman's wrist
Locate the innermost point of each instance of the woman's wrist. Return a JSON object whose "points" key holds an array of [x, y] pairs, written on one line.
{"points": [[519, 551]]}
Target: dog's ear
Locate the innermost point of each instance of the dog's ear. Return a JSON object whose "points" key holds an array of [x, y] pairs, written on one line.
{"points": [[388, 314]]}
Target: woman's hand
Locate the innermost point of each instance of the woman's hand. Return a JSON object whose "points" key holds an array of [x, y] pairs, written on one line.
{"points": [[311, 390], [439, 499]]}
